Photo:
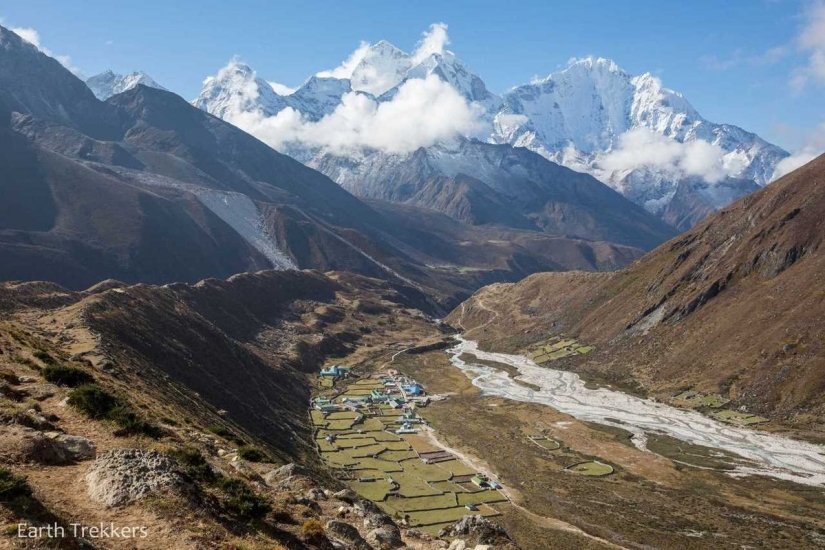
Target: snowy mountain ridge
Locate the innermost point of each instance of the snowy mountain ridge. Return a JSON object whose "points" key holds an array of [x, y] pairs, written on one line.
{"points": [[108, 83], [632, 133]]}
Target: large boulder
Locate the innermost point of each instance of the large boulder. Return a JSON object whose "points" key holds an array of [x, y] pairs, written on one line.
{"points": [[21, 444], [386, 536], [347, 533], [79, 447], [121, 476], [475, 527]]}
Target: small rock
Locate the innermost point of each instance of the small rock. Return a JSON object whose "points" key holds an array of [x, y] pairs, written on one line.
{"points": [[483, 547], [41, 392], [316, 494], [457, 544], [345, 495], [247, 471], [27, 379]]}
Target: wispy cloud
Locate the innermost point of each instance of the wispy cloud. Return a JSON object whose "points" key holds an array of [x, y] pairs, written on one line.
{"points": [[813, 145], [811, 42], [434, 40], [281, 89], [738, 58], [644, 148], [345, 69], [31, 36]]}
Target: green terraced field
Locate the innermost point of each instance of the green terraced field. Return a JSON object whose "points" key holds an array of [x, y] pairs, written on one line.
{"points": [[426, 472], [425, 491], [480, 497], [412, 486], [549, 444], [417, 504], [372, 490], [343, 415], [339, 424], [369, 450], [737, 417], [398, 456], [430, 517], [446, 487], [595, 469], [377, 464], [457, 468], [350, 442]]}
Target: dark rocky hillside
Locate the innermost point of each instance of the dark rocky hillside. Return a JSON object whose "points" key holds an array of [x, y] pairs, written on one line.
{"points": [[147, 188]]}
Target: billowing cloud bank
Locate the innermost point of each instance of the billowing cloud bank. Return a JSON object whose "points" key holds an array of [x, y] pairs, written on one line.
{"points": [[423, 112], [643, 148]]}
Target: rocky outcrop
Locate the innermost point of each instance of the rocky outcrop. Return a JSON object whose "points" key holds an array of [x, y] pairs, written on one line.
{"points": [[25, 444], [348, 534], [121, 476], [475, 527]]}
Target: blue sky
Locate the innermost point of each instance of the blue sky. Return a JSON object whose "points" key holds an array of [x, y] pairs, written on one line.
{"points": [[740, 61]]}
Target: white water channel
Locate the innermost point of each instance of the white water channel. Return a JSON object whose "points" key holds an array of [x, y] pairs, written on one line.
{"points": [[766, 454]]}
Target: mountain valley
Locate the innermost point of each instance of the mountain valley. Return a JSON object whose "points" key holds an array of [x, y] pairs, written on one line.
{"points": [[390, 309]]}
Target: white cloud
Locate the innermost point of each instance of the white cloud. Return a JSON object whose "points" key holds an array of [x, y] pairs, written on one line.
{"points": [[345, 69], [643, 148], [28, 34], [281, 89], [433, 40], [813, 147], [811, 41], [31, 36], [423, 112]]}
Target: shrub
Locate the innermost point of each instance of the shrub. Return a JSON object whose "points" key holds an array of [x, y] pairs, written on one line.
{"points": [[97, 403], [132, 423], [242, 500], [44, 356], [222, 431], [252, 454], [93, 401], [312, 528], [12, 485], [195, 464], [66, 376]]}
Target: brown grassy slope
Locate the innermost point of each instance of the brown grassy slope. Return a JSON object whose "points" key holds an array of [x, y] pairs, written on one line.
{"points": [[735, 305]]}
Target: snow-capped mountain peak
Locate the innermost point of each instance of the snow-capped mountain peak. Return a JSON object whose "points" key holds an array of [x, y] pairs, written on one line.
{"points": [[382, 67], [319, 96], [237, 88], [452, 70], [109, 83], [629, 131]]}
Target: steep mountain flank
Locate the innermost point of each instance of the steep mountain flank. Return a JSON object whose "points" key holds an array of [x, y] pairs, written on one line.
{"points": [[174, 408], [146, 188], [483, 183], [734, 306]]}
